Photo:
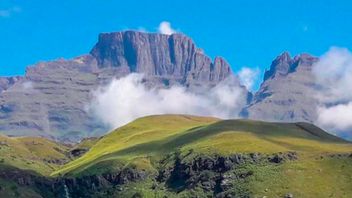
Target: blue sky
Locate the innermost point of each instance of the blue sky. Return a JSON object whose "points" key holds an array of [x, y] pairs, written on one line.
{"points": [[246, 33]]}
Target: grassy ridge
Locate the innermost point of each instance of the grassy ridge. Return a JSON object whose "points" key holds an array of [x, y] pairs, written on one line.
{"points": [[155, 136], [323, 167], [142, 131], [32, 153]]}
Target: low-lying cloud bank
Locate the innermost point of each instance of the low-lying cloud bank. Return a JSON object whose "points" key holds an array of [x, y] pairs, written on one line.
{"points": [[333, 73], [127, 98]]}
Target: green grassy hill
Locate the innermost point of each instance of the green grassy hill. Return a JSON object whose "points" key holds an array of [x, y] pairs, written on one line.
{"points": [[182, 156], [32, 153], [142, 131], [323, 167]]}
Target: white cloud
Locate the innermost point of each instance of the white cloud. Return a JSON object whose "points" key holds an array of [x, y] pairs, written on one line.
{"points": [[8, 12], [338, 117], [248, 76], [165, 28], [127, 98], [333, 73]]}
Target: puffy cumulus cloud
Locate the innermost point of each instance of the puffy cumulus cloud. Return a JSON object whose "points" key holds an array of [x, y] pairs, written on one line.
{"points": [[126, 99], [165, 28], [248, 76], [333, 73], [338, 117]]}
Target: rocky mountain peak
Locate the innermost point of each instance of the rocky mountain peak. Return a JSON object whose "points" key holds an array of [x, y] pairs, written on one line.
{"points": [[158, 55], [283, 57], [136, 49], [51, 99], [288, 91], [279, 66], [285, 64]]}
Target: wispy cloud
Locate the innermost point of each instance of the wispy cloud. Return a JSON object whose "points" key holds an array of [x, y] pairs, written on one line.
{"points": [[165, 28], [10, 11], [248, 76]]}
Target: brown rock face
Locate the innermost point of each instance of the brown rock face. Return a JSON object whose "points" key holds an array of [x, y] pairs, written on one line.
{"points": [[51, 99]]}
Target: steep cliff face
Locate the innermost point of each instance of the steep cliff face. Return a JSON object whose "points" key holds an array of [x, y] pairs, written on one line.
{"points": [[288, 91], [174, 57], [51, 99]]}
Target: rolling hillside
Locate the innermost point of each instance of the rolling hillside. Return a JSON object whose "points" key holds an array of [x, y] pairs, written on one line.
{"points": [[282, 158], [182, 156], [32, 153]]}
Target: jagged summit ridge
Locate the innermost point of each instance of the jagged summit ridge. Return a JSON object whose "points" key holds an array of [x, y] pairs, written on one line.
{"points": [[158, 55], [288, 92], [284, 64]]}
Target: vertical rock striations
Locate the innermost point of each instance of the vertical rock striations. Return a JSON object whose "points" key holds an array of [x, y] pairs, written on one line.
{"points": [[174, 57]]}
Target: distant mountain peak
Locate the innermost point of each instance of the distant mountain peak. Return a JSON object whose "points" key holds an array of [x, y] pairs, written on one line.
{"points": [[156, 54], [288, 91], [285, 64], [284, 57], [279, 66], [60, 90]]}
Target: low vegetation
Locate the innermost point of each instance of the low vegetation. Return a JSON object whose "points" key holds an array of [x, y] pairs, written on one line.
{"points": [[189, 156]]}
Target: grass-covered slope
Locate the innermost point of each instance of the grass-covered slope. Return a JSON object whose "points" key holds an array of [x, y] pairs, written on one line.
{"points": [[32, 153], [189, 156], [155, 136], [142, 131]]}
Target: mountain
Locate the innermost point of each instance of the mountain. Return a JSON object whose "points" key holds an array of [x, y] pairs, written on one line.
{"points": [[6, 82], [188, 156], [51, 99], [288, 92], [172, 58]]}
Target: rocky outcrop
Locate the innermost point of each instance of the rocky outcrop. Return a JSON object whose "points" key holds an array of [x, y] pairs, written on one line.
{"points": [[87, 186], [6, 82], [51, 99], [172, 57], [215, 175], [288, 91]]}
